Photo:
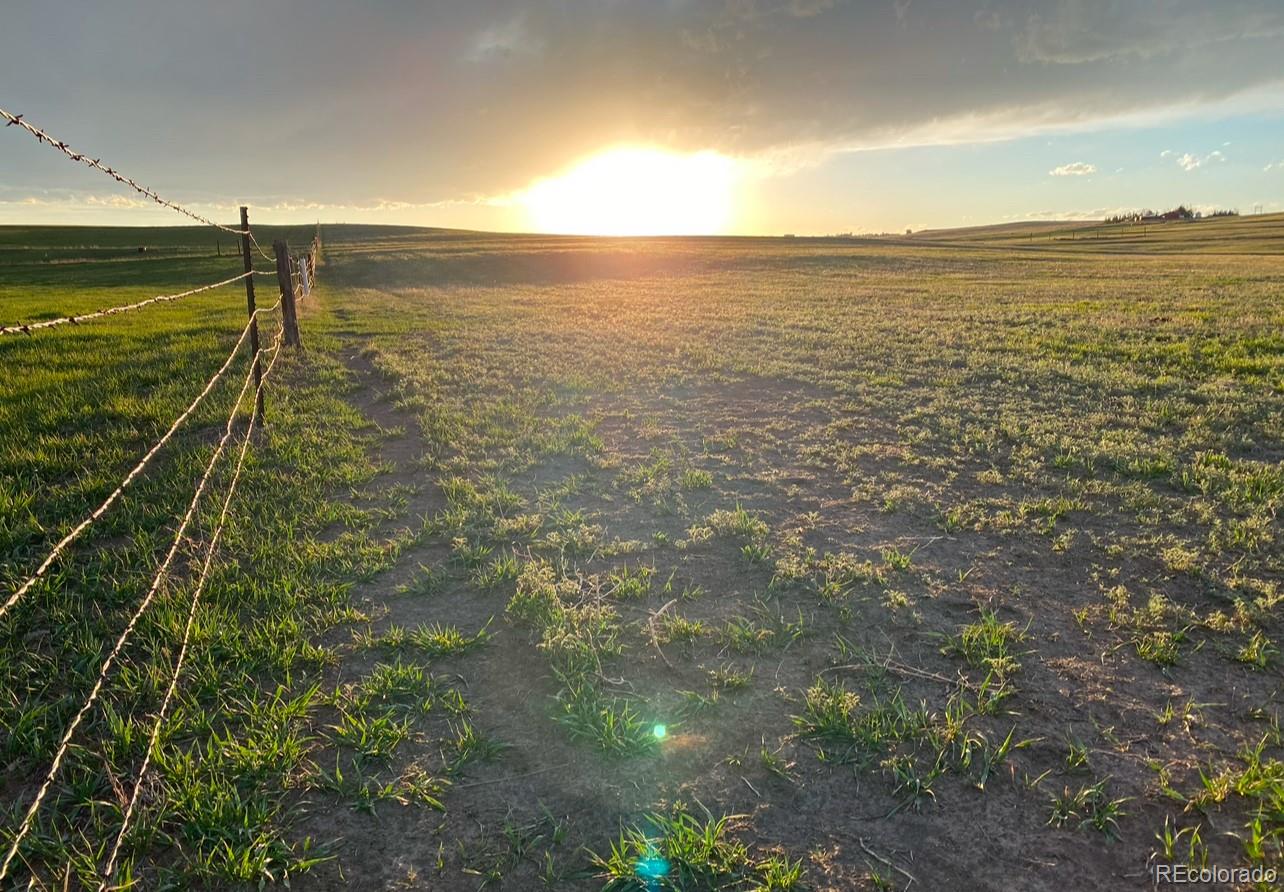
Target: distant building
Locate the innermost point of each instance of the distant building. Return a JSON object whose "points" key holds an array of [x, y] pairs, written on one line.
{"points": [[1180, 213]]}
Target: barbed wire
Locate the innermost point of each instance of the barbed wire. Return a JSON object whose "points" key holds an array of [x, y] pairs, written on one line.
{"points": [[25, 826], [28, 327], [116, 175], [153, 740], [264, 254], [133, 474]]}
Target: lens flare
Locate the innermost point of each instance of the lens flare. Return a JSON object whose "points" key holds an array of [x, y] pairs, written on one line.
{"points": [[652, 868], [660, 732]]}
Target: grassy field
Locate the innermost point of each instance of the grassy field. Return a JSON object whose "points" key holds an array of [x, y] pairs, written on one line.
{"points": [[667, 563]]}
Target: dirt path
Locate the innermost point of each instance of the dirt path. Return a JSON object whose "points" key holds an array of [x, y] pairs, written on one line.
{"points": [[502, 814]]}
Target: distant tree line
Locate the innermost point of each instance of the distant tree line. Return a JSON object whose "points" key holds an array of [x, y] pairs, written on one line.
{"points": [[1181, 212]]}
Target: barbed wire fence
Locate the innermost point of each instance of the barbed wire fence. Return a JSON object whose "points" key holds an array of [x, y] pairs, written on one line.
{"points": [[295, 274]]}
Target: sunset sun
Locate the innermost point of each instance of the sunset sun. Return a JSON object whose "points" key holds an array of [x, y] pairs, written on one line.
{"points": [[636, 191]]}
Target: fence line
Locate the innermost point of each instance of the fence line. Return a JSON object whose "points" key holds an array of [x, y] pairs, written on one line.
{"points": [[25, 826], [43, 137], [288, 267], [129, 478], [154, 738], [28, 327]]}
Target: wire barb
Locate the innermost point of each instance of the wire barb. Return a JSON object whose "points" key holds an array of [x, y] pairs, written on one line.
{"points": [[96, 163], [28, 327]]}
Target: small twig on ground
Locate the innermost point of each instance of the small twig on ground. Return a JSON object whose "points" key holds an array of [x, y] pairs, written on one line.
{"points": [[655, 640], [871, 853], [902, 669], [926, 540], [502, 780]]}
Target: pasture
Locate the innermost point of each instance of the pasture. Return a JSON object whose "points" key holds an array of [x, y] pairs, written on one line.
{"points": [[689, 563]]}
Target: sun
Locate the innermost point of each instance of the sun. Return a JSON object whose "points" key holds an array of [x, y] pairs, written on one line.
{"points": [[636, 191]]}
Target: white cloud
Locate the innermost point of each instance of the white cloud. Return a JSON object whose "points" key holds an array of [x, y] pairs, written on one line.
{"points": [[1074, 169], [1062, 214], [1274, 165], [1189, 162], [80, 202], [1165, 153]]}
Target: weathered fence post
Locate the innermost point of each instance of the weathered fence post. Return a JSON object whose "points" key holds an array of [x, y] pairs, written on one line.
{"points": [[254, 319], [289, 317]]}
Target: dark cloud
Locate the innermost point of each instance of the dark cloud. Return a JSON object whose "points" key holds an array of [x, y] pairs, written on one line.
{"points": [[1074, 33], [442, 100]]}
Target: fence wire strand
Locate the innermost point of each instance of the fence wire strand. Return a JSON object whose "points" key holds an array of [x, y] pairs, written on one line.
{"points": [[132, 475], [161, 573], [154, 739], [96, 163], [28, 327], [257, 247]]}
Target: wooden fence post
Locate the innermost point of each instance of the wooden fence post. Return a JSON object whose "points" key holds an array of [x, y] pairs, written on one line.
{"points": [[289, 317], [254, 319]]}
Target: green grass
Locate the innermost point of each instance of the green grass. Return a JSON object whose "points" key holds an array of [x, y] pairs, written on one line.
{"points": [[940, 526], [682, 852], [987, 643], [79, 409]]}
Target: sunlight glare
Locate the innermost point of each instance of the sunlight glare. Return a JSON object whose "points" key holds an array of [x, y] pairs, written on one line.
{"points": [[636, 191]]}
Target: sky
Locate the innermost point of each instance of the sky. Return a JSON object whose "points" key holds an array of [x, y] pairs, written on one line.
{"points": [[735, 116]]}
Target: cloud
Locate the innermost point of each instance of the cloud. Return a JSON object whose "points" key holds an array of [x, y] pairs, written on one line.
{"points": [[807, 8], [1274, 165], [116, 201], [433, 101], [503, 40], [1165, 153], [1076, 215], [1074, 169], [1189, 162], [1073, 33], [989, 19], [77, 202]]}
